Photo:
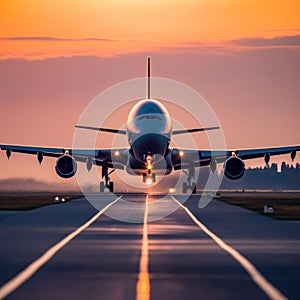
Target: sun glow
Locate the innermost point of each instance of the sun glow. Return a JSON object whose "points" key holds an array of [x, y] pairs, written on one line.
{"points": [[35, 28]]}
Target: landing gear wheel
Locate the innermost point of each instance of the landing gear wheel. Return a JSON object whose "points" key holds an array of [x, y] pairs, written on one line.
{"points": [[194, 188], [184, 187], [107, 183], [102, 187], [189, 185], [147, 177], [111, 186], [144, 177], [153, 177]]}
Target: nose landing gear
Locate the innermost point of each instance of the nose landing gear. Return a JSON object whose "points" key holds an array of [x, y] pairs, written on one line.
{"points": [[149, 178]]}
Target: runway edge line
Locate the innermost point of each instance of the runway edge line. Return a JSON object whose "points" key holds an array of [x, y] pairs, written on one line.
{"points": [[31, 269], [271, 291]]}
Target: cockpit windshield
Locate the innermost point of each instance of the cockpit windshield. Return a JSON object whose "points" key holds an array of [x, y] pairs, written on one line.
{"points": [[149, 110]]}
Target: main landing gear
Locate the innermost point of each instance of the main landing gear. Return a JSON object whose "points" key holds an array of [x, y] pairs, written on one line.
{"points": [[189, 185], [106, 183]]}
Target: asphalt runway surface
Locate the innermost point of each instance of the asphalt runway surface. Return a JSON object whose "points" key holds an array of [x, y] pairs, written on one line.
{"points": [[74, 251]]}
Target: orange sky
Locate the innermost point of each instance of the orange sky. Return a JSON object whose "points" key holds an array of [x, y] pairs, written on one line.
{"points": [[134, 26]]}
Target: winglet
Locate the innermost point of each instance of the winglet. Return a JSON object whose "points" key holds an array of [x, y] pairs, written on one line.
{"points": [[148, 77]]}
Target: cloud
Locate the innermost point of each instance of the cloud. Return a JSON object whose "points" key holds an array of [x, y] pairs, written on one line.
{"points": [[282, 30], [58, 39], [53, 39], [280, 41]]}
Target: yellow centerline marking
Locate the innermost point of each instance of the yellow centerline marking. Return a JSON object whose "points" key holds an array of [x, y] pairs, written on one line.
{"points": [[31, 269], [256, 276], [143, 284]]}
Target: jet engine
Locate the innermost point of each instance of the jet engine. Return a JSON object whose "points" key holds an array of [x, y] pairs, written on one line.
{"points": [[234, 168], [66, 166]]}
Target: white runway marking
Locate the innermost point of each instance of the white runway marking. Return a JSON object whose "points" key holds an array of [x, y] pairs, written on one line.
{"points": [[143, 284], [257, 277], [31, 269]]}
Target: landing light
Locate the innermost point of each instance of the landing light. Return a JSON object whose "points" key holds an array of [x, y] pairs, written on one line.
{"points": [[117, 153], [149, 181], [172, 190], [181, 153]]}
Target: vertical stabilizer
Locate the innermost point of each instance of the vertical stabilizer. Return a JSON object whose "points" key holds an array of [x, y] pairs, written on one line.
{"points": [[148, 77]]}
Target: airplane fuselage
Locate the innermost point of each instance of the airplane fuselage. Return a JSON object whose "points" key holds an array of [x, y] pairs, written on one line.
{"points": [[149, 129]]}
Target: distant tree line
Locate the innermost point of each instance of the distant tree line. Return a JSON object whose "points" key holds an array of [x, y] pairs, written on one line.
{"points": [[268, 177], [287, 177]]}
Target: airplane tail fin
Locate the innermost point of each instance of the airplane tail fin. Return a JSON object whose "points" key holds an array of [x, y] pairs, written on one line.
{"points": [[148, 77]]}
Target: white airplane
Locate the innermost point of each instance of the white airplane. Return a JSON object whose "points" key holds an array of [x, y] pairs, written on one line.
{"points": [[149, 132]]}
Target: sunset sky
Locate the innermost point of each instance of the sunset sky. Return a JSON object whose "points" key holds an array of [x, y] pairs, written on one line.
{"points": [[56, 56]]}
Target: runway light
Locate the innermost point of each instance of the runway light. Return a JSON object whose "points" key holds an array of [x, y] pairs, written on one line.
{"points": [[181, 153]]}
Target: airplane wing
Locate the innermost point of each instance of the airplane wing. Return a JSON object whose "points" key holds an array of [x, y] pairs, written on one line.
{"points": [[183, 158], [197, 157], [192, 130], [123, 132], [110, 130], [115, 158]]}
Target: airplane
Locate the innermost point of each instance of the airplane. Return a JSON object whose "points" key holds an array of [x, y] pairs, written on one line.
{"points": [[149, 152]]}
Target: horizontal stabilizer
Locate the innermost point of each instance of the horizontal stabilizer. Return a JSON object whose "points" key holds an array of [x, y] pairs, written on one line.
{"points": [[174, 132], [111, 130]]}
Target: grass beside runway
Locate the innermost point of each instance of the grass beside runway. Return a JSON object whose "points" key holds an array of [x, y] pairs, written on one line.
{"points": [[286, 205], [32, 201]]}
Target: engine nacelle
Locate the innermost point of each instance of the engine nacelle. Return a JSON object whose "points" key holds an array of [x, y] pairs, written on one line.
{"points": [[234, 168], [66, 166]]}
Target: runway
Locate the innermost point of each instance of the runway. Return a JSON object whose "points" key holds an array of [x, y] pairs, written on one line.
{"points": [[74, 251]]}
